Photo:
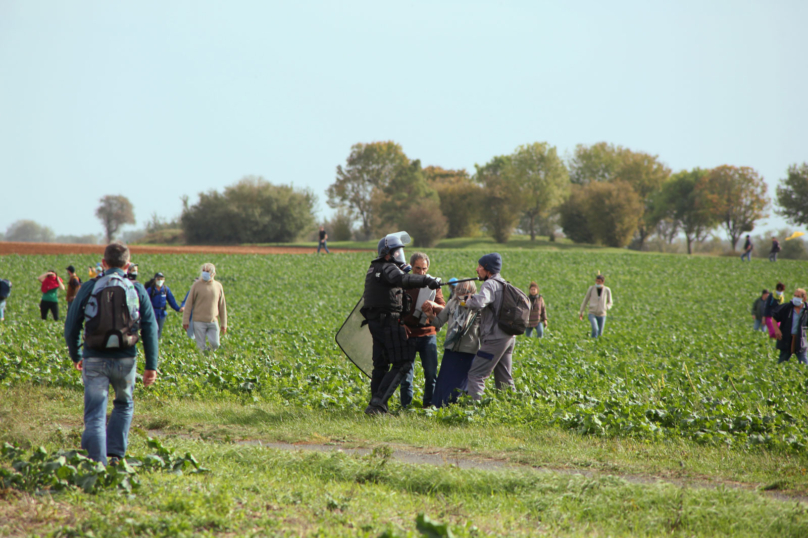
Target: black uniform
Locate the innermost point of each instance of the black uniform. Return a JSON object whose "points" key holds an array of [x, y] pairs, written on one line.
{"points": [[384, 301]]}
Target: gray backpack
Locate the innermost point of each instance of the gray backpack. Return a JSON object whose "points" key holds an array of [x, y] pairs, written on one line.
{"points": [[112, 314], [514, 311]]}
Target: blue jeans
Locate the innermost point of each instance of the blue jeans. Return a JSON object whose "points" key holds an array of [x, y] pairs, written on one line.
{"points": [[773, 257], [760, 325], [160, 323], [747, 255], [99, 439], [597, 322], [427, 349], [538, 329], [785, 355], [323, 244]]}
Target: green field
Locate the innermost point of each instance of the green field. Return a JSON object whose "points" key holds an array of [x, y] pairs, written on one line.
{"points": [[679, 417]]}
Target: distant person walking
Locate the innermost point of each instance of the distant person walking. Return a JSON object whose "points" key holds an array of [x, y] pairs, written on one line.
{"points": [[5, 292], [115, 313], [207, 305], [759, 311], [747, 249], [161, 298], [791, 334], [50, 284], [775, 250], [73, 285], [323, 241], [597, 301], [772, 304], [538, 312]]}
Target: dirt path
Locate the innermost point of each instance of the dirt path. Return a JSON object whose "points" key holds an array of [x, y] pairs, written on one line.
{"points": [[62, 248], [416, 456]]}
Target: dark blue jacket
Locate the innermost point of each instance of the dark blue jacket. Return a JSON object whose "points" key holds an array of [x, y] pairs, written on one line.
{"points": [[161, 299], [148, 327]]}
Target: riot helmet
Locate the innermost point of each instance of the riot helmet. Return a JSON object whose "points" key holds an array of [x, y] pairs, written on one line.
{"points": [[393, 244]]}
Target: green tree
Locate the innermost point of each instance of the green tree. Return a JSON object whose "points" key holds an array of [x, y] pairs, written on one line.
{"points": [[368, 170], [425, 223], [249, 211], [29, 231], [792, 195], [406, 189], [682, 200], [501, 198], [460, 199], [598, 162], [114, 212], [737, 199], [542, 179], [613, 212], [573, 216]]}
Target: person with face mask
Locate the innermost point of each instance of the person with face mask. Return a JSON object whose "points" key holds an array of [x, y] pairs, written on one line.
{"points": [[598, 301], [773, 302], [132, 273], [207, 305], [384, 302], [791, 334], [161, 298]]}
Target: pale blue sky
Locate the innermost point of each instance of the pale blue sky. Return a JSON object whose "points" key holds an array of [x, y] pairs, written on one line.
{"points": [[154, 100]]}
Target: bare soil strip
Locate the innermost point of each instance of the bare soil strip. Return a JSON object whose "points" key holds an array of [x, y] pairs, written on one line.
{"points": [[415, 456], [63, 248]]}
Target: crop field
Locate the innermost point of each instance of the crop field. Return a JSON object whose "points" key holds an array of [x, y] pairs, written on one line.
{"points": [[677, 422]]}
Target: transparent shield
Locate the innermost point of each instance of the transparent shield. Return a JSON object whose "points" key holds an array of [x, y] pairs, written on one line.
{"points": [[355, 340]]}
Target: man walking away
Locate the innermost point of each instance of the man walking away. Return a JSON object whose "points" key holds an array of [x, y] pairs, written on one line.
{"points": [[323, 241], [791, 337], [759, 311], [775, 250], [51, 283], [747, 249], [416, 324], [161, 298], [598, 300], [73, 285], [207, 306], [496, 346], [115, 313]]}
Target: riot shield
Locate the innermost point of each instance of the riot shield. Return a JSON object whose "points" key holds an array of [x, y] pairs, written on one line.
{"points": [[355, 341]]}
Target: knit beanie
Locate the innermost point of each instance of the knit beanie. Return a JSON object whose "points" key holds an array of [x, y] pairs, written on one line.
{"points": [[491, 262]]}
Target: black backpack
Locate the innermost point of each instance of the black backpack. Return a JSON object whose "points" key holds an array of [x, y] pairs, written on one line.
{"points": [[5, 289], [112, 314], [514, 311]]}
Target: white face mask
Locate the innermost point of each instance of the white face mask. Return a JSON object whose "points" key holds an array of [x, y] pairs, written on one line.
{"points": [[206, 276], [797, 301], [159, 283]]}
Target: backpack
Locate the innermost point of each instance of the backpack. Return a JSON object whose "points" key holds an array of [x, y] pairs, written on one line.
{"points": [[514, 311], [112, 314], [5, 289]]}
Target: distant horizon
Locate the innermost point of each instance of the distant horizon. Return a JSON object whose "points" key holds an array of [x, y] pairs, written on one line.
{"points": [[181, 98]]}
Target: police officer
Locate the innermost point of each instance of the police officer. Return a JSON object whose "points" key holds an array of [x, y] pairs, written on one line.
{"points": [[384, 301]]}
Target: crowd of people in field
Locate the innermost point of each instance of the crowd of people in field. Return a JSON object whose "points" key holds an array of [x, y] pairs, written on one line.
{"points": [[785, 321], [204, 307]]}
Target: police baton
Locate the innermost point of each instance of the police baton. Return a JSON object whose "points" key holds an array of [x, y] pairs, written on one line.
{"points": [[453, 282]]}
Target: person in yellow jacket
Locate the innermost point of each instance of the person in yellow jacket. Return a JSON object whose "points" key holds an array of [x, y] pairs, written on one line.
{"points": [[598, 301], [207, 305]]}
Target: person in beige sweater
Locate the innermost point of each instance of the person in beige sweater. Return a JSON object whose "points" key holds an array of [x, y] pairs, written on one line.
{"points": [[598, 301], [207, 306]]}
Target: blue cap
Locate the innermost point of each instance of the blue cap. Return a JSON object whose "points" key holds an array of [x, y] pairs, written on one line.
{"points": [[452, 282]]}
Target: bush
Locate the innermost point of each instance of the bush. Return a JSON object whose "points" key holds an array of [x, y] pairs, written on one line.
{"points": [[613, 212], [28, 231], [251, 211], [426, 223], [572, 215], [340, 227]]}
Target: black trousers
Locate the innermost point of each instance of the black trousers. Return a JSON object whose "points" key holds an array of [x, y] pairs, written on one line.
{"points": [[45, 306], [393, 357]]}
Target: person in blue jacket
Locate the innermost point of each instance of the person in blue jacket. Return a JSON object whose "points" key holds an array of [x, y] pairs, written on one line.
{"points": [[161, 298]]}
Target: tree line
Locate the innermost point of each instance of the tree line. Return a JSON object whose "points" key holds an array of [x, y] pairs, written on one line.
{"points": [[602, 193]]}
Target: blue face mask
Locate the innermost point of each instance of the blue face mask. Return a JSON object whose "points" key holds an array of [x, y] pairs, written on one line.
{"points": [[796, 301], [205, 276]]}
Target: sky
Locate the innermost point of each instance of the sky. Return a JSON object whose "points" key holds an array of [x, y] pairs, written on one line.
{"points": [[155, 100]]}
